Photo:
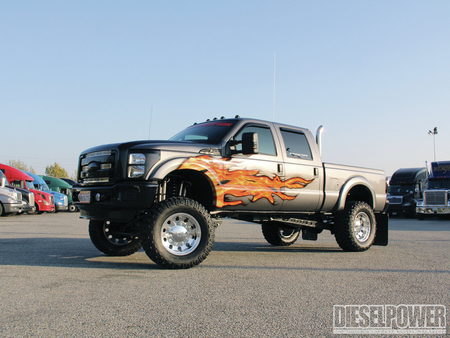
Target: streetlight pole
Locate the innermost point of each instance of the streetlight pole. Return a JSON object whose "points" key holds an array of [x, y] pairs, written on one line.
{"points": [[433, 132]]}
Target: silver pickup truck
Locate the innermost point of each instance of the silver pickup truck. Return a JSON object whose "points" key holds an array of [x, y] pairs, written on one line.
{"points": [[168, 196]]}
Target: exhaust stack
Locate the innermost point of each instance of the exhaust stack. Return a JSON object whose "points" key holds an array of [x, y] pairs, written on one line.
{"points": [[319, 139]]}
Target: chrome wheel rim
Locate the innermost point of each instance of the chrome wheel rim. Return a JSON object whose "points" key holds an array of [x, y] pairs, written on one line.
{"points": [[108, 231], [286, 232], [180, 234], [362, 227]]}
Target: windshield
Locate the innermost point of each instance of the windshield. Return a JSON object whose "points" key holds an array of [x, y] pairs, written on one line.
{"points": [[401, 189], [209, 132], [30, 185], [438, 184], [3, 175]]}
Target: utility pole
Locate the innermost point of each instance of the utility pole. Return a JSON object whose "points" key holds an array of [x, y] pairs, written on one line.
{"points": [[434, 133]]}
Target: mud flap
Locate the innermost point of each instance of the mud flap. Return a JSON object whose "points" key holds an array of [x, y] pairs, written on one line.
{"points": [[381, 237]]}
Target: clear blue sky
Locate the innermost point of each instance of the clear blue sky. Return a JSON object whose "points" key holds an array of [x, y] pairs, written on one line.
{"points": [[75, 74]]}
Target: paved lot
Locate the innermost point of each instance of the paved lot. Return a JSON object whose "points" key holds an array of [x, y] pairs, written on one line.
{"points": [[54, 283]]}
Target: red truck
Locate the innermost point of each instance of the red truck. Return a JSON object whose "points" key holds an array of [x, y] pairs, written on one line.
{"points": [[44, 202]]}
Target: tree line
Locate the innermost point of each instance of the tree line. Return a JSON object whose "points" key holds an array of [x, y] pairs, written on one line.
{"points": [[54, 170]]}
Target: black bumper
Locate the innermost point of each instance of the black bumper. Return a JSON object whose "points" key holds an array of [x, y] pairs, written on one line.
{"points": [[120, 202]]}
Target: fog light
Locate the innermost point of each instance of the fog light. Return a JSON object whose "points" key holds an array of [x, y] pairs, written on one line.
{"points": [[98, 197]]}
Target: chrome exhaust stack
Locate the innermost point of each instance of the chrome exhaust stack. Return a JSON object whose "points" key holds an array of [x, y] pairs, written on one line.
{"points": [[319, 139]]}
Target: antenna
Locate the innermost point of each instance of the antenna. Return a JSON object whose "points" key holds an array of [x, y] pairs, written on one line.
{"points": [[274, 75], [150, 126]]}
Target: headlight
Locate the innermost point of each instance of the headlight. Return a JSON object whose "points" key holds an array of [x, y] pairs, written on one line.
{"points": [[136, 159], [140, 164], [136, 171], [136, 165], [420, 203]]}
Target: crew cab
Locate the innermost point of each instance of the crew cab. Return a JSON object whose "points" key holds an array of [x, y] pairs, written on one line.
{"points": [[168, 196]]}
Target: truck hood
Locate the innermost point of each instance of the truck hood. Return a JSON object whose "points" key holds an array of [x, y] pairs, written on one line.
{"points": [[185, 146]]}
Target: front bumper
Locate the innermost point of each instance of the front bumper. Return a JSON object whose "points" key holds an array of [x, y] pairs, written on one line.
{"points": [[120, 202], [13, 208], [399, 208], [61, 207], [437, 210]]}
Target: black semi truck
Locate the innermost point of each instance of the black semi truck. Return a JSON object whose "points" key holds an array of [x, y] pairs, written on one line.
{"points": [[405, 188]]}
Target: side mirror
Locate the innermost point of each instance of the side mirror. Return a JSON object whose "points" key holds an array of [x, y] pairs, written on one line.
{"points": [[2, 182], [250, 143]]}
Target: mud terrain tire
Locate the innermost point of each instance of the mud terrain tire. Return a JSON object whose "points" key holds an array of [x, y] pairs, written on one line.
{"points": [[105, 239], [178, 233]]}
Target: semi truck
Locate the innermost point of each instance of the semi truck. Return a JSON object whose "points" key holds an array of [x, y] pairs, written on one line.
{"points": [[406, 186], [10, 199], [436, 198], [61, 200], [61, 186], [43, 201], [169, 196]]}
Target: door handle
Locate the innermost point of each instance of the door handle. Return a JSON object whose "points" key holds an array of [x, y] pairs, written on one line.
{"points": [[316, 172], [280, 169]]}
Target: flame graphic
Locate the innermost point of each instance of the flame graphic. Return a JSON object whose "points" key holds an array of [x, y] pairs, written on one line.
{"points": [[242, 182]]}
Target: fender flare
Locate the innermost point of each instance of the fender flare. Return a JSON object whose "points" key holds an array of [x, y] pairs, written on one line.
{"points": [[164, 169], [349, 185]]}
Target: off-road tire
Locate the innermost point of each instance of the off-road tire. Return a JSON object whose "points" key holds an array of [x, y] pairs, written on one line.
{"points": [[279, 236], [103, 237], [178, 233], [355, 227]]}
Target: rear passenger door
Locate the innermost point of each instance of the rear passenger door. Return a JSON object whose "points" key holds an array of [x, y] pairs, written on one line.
{"points": [[302, 170]]}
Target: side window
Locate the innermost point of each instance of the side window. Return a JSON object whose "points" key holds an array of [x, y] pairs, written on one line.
{"points": [[265, 139], [296, 145]]}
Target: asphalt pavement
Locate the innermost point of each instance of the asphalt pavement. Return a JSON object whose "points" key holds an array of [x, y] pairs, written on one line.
{"points": [[55, 283]]}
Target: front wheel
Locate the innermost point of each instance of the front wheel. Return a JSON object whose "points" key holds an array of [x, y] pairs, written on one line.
{"points": [[107, 237], [355, 227], [279, 236], [178, 233], [72, 208], [34, 211]]}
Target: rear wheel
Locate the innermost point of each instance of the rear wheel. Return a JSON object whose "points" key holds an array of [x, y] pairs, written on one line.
{"points": [[178, 233], [279, 236], [107, 238], [355, 227]]}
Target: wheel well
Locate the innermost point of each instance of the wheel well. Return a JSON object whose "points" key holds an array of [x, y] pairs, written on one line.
{"points": [[187, 183], [360, 193]]}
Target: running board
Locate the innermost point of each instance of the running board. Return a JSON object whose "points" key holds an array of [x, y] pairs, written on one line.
{"points": [[296, 222]]}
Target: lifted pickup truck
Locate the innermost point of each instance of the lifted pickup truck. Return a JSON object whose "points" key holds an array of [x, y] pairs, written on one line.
{"points": [[168, 196]]}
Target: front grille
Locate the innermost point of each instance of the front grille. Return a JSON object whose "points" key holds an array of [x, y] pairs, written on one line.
{"points": [[97, 167], [436, 197], [18, 196], [31, 199], [395, 199]]}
